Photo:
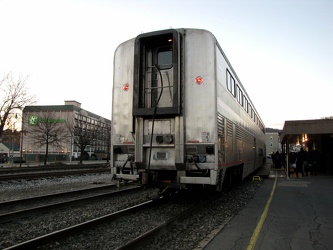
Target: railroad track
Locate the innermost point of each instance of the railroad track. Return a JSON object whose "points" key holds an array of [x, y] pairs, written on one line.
{"points": [[51, 173], [113, 220], [42, 240], [15, 169], [9, 211], [111, 227], [147, 237]]}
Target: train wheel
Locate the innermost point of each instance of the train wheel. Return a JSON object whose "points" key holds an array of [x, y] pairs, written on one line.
{"points": [[229, 178]]}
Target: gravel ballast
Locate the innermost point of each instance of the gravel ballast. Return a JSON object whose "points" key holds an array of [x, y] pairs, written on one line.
{"points": [[186, 235]]}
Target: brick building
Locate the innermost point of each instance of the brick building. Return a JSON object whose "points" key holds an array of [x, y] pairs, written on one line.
{"points": [[67, 123]]}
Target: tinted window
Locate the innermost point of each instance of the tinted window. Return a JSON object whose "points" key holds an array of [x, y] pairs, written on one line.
{"points": [[164, 59]]}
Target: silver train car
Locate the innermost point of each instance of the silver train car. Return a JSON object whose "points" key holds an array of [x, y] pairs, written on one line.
{"points": [[180, 115]]}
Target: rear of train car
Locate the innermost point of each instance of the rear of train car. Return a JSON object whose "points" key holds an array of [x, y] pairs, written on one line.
{"points": [[180, 115]]}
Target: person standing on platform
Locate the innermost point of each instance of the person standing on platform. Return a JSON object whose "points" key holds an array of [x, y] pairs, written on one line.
{"points": [[300, 157]]}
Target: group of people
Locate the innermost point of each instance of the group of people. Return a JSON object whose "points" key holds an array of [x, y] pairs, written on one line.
{"points": [[303, 162], [278, 159]]}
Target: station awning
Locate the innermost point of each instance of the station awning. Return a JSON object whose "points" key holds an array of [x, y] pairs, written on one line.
{"points": [[296, 130]]}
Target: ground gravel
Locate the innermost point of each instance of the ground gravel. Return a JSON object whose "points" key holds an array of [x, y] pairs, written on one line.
{"points": [[19, 189]]}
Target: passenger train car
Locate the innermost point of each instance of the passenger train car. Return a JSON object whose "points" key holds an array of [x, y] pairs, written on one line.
{"points": [[180, 114]]}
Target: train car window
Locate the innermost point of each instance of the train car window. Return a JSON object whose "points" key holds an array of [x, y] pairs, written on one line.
{"points": [[239, 96], [231, 83], [237, 92], [246, 104], [164, 58], [261, 152], [250, 111]]}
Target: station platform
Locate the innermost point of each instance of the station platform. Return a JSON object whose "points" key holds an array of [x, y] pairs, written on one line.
{"points": [[285, 213], [268, 171]]}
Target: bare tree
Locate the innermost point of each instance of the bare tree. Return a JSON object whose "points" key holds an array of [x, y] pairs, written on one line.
{"points": [[108, 142], [49, 130], [103, 138], [13, 97], [84, 135]]}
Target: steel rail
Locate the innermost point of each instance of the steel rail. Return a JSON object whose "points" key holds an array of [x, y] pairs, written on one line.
{"points": [[54, 195], [143, 239], [42, 240]]}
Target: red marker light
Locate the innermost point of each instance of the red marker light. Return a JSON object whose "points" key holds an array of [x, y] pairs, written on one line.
{"points": [[199, 80], [126, 86]]}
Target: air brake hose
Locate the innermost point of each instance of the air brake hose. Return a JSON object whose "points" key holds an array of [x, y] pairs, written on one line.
{"points": [[129, 158], [153, 121]]}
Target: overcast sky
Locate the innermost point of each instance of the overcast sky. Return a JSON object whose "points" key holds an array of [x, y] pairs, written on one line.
{"points": [[282, 50]]}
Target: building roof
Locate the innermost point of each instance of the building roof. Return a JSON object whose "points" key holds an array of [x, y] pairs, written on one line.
{"points": [[3, 148], [10, 146], [59, 108], [272, 130], [294, 129]]}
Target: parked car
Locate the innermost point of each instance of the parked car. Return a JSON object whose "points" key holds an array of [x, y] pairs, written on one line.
{"points": [[18, 160]]}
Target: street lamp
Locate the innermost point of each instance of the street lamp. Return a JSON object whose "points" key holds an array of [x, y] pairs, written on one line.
{"points": [[21, 144], [13, 130]]}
